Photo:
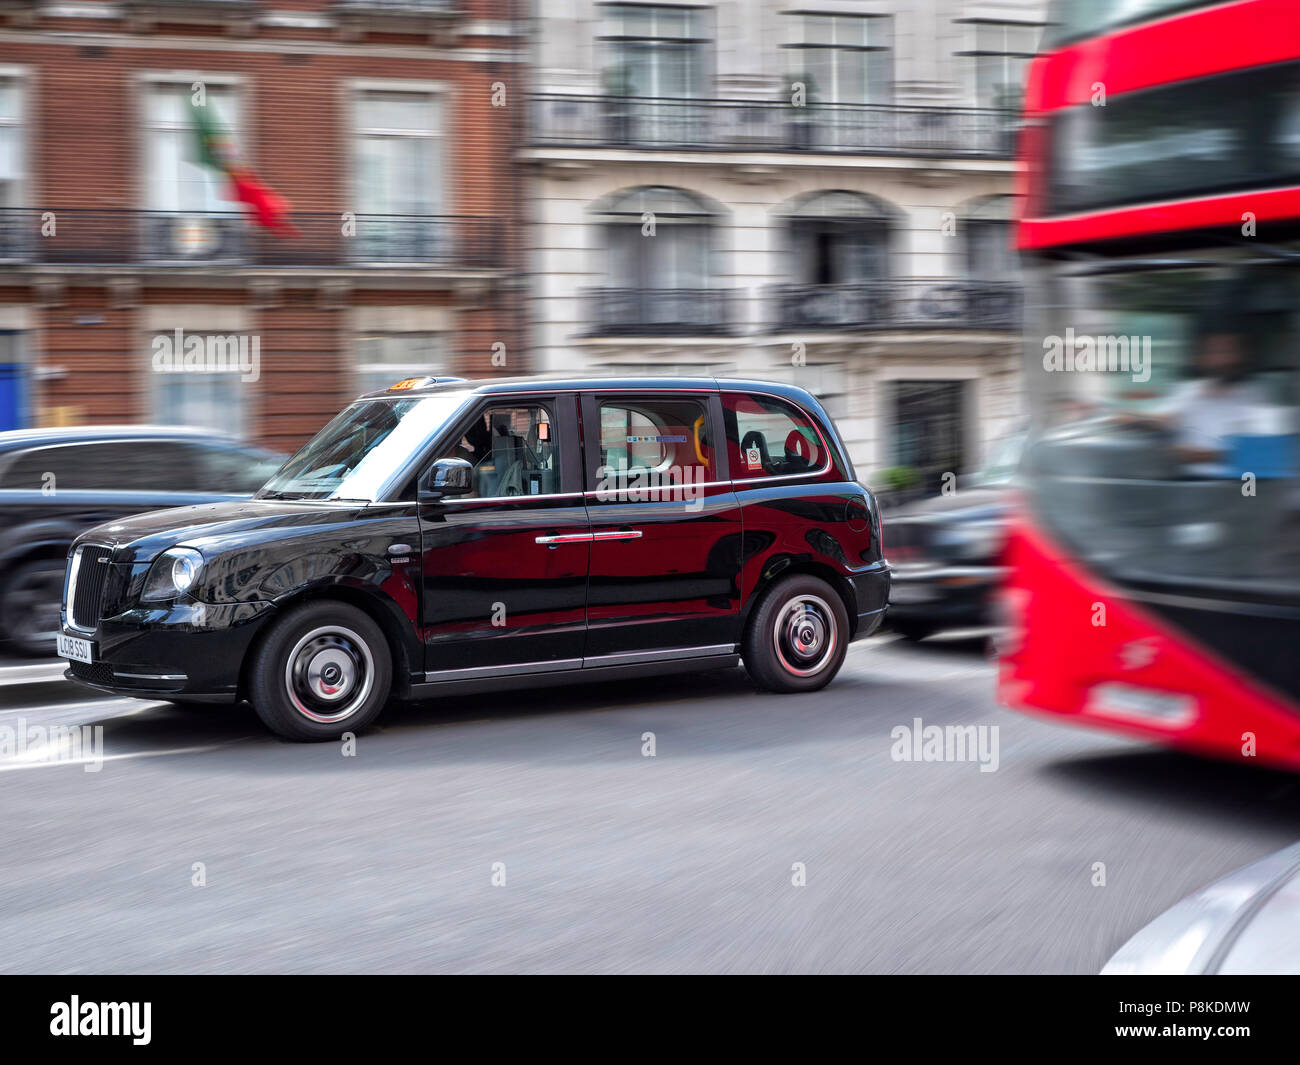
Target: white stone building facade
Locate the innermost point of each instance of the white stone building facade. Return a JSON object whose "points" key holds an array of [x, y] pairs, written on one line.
{"points": [[815, 192]]}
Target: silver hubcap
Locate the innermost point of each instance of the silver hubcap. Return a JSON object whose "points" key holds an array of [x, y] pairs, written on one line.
{"points": [[329, 674], [805, 635]]}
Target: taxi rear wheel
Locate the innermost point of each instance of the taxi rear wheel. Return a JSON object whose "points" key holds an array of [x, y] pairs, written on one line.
{"points": [[325, 669], [797, 635]]}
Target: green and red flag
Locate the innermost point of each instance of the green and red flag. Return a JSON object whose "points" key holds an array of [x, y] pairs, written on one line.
{"points": [[216, 150]]}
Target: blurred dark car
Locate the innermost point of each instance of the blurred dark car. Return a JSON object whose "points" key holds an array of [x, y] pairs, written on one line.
{"points": [[944, 551], [56, 483]]}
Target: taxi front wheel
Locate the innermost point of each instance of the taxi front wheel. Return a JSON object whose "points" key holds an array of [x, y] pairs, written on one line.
{"points": [[797, 635], [324, 669]]}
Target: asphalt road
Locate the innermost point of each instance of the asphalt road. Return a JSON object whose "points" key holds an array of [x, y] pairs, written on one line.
{"points": [[613, 861]]}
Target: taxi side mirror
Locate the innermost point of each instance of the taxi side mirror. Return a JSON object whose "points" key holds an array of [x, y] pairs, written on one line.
{"points": [[447, 478]]}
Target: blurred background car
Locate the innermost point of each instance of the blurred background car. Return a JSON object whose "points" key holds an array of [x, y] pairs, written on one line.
{"points": [[1248, 922], [55, 483], [944, 551]]}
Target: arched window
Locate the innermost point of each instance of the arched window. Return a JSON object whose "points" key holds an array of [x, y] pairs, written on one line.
{"points": [[660, 261], [657, 237], [837, 238], [985, 225]]}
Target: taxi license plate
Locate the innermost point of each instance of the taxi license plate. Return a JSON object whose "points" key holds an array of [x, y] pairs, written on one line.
{"points": [[76, 649]]}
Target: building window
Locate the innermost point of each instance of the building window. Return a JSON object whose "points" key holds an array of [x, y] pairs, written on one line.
{"points": [[836, 250], [215, 399], [398, 153], [13, 161], [929, 428], [660, 261], [175, 179], [842, 59], [386, 358], [989, 253], [398, 184], [838, 238], [657, 238], [655, 52], [1001, 55]]}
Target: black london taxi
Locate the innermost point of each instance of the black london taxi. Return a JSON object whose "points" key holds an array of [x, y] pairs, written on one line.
{"points": [[448, 537]]}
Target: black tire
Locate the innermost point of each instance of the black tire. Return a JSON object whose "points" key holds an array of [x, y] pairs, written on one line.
{"points": [[797, 636], [30, 599], [913, 630], [324, 669]]}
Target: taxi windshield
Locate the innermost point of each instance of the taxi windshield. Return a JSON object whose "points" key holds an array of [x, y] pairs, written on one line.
{"points": [[357, 455]]}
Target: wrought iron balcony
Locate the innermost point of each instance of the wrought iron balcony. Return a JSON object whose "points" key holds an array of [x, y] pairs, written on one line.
{"points": [[209, 11], [660, 312], [896, 304], [182, 240], [637, 123], [399, 8]]}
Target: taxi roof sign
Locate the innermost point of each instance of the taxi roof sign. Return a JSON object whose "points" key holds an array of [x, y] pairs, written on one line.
{"points": [[410, 383]]}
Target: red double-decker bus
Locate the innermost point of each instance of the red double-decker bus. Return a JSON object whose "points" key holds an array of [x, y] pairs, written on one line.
{"points": [[1154, 575]]}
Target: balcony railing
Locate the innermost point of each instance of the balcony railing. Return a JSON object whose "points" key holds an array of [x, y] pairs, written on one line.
{"points": [[191, 10], [399, 7], [660, 312], [862, 307], [322, 240], [770, 126], [896, 304]]}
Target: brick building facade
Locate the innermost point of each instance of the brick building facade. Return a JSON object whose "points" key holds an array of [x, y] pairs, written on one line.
{"points": [[390, 125]]}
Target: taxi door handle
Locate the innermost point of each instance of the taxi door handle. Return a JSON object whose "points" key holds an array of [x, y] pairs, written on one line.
{"points": [[565, 538]]}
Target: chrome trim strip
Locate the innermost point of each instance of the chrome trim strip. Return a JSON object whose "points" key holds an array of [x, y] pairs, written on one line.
{"points": [[565, 538], [560, 665], [615, 534], [630, 658], [902, 574], [151, 676], [475, 672], [72, 587], [509, 499]]}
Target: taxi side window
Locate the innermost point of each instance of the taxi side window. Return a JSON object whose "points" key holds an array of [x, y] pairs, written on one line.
{"points": [[652, 441], [767, 437], [512, 452]]}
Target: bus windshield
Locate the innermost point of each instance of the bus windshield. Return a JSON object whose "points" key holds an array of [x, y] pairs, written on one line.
{"points": [[1072, 20], [1166, 443]]}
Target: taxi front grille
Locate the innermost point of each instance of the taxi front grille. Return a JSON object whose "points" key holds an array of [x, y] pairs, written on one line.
{"points": [[91, 567]]}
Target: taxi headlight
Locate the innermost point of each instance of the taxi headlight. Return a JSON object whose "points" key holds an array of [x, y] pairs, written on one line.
{"points": [[172, 574]]}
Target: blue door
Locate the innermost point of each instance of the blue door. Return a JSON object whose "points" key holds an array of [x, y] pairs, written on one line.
{"points": [[13, 399]]}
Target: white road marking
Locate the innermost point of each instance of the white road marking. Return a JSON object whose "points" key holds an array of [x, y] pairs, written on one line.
{"points": [[92, 705], [34, 759], [37, 673]]}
